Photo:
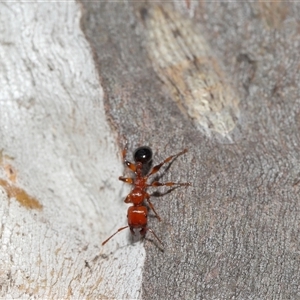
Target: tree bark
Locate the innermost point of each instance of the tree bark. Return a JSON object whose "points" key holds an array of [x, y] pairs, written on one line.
{"points": [[59, 193], [221, 80], [217, 78]]}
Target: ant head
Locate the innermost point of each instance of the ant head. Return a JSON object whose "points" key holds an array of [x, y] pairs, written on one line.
{"points": [[143, 155]]}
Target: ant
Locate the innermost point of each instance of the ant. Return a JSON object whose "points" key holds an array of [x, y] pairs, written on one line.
{"points": [[137, 214]]}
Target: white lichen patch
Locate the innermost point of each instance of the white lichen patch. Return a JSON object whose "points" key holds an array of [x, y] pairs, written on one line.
{"points": [[185, 63]]}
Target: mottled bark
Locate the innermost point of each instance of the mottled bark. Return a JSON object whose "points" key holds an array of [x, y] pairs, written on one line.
{"points": [[221, 79]]}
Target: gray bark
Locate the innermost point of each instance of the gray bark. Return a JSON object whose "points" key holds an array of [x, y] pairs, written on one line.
{"points": [[223, 81]]}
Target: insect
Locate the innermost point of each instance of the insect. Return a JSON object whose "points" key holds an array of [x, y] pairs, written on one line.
{"points": [[137, 214]]}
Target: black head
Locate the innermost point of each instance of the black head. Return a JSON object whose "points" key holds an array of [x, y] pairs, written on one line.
{"points": [[143, 155]]}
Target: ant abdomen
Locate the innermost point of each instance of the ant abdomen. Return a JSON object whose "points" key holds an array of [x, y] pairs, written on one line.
{"points": [[143, 155], [137, 216], [137, 213]]}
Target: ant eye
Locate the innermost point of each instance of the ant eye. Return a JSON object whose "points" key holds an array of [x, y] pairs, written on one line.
{"points": [[142, 155]]}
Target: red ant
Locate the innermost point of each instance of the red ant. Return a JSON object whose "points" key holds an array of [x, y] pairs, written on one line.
{"points": [[137, 214]]}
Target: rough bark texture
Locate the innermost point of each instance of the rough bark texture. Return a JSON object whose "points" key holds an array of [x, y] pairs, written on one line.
{"points": [[219, 79], [59, 164], [222, 80]]}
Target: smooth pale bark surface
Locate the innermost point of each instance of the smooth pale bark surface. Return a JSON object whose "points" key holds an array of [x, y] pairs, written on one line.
{"points": [[221, 79], [59, 164]]}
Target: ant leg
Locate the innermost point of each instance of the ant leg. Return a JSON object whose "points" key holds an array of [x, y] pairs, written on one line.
{"points": [[156, 183], [120, 229], [124, 151], [129, 164], [152, 207], [127, 180], [128, 199], [144, 230], [157, 167]]}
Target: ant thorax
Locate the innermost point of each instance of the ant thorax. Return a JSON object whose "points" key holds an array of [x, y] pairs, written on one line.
{"points": [[140, 182], [137, 213], [137, 195]]}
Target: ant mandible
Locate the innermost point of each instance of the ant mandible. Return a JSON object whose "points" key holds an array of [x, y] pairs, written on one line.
{"points": [[137, 214]]}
